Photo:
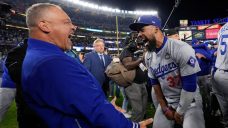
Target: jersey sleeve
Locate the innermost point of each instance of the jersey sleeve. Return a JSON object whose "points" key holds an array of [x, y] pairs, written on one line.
{"points": [[188, 66], [185, 57]]}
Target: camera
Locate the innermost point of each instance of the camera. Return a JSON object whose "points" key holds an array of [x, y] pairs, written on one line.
{"points": [[133, 42]]}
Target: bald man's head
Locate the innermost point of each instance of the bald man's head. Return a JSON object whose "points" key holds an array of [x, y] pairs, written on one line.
{"points": [[37, 12], [50, 23]]}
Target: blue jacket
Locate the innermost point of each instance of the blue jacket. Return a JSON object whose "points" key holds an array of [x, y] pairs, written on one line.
{"points": [[63, 92], [205, 64], [94, 65], [7, 82], [212, 51]]}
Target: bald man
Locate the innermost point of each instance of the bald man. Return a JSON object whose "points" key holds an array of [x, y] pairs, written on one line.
{"points": [[57, 87]]}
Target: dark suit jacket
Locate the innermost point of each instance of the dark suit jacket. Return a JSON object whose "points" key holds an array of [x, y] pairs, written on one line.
{"points": [[94, 65]]}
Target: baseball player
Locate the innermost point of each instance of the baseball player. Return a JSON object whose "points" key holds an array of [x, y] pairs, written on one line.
{"points": [[220, 76], [172, 70], [171, 33]]}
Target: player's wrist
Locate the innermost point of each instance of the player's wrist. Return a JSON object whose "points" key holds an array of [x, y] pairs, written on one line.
{"points": [[179, 111], [165, 109]]}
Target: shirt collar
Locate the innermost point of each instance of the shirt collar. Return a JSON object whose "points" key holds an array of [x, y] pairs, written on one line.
{"points": [[36, 43], [100, 53], [163, 44]]}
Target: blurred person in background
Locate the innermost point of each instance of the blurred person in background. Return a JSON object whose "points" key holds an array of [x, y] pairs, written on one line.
{"points": [[172, 33], [136, 93], [97, 61], [221, 72]]}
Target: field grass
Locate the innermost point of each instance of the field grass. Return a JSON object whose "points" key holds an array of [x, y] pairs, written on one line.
{"points": [[10, 120]]}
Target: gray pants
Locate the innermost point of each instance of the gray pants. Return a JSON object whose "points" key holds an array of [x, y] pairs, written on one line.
{"points": [[204, 83], [193, 118], [221, 91], [137, 97]]}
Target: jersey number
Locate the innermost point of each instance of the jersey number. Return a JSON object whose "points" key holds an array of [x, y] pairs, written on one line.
{"points": [[224, 40], [173, 81]]}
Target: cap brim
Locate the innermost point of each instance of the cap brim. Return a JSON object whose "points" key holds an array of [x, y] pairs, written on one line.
{"points": [[137, 26]]}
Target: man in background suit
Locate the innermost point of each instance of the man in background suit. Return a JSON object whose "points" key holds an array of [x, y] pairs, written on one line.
{"points": [[96, 62]]}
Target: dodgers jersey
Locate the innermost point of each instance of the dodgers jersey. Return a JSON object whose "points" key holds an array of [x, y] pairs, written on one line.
{"points": [[168, 64], [222, 54]]}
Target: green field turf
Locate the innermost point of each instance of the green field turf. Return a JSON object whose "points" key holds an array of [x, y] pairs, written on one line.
{"points": [[10, 120]]}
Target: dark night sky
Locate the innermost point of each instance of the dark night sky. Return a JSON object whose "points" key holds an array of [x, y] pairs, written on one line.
{"points": [[187, 9]]}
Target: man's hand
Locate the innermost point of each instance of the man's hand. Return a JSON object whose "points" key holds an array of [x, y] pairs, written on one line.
{"points": [[113, 102], [200, 56], [215, 53], [169, 113], [178, 118], [146, 122]]}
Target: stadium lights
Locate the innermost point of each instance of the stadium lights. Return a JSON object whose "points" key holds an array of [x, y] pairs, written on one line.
{"points": [[8, 25], [109, 9], [112, 42], [91, 48], [145, 12], [80, 36], [94, 30], [82, 28]]}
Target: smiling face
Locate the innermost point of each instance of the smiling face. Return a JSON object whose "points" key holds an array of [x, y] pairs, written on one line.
{"points": [[48, 22], [147, 33], [60, 28], [99, 47]]}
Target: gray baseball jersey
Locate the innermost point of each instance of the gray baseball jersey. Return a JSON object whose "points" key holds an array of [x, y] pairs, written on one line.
{"points": [[220, 77], [175, 59], [222, 54]]}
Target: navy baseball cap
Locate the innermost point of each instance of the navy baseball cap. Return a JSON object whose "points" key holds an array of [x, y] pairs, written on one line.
{"points": [[144, 21]]}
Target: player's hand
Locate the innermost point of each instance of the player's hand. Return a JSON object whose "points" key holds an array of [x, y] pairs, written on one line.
{"points": [[178, 118], [169, 113], [113, 102], [200, 56], [215, 53], [146, 122]]}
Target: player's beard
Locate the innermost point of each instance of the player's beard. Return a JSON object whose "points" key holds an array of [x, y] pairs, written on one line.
{"points": [[151, 45]]}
